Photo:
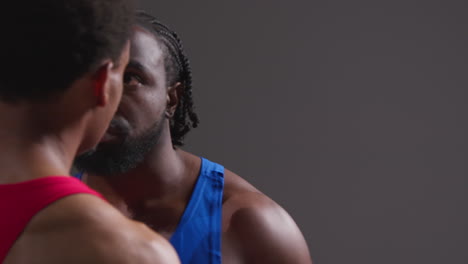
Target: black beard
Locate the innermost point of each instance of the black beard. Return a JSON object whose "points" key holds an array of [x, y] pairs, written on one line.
{"points": [[110, 159]]}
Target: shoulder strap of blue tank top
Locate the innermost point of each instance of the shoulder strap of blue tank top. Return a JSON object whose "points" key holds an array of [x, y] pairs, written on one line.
{"points": [[197, 238], [78, 175]]}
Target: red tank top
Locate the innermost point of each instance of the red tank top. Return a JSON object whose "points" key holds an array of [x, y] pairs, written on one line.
{"points": [[19, 202]]}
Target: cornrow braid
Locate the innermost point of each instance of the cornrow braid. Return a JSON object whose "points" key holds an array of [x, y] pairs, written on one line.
{"points": [[178, 69]]}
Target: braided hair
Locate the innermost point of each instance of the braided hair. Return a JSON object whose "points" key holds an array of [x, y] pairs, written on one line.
{"points": [[178, 69]]}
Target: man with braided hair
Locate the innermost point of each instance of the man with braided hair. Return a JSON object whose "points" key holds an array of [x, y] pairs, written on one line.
{"points": [[195, 203]]}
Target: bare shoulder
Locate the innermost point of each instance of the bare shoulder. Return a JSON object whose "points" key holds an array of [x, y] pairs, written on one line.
{"points": [[84, 229], [260, 229]]}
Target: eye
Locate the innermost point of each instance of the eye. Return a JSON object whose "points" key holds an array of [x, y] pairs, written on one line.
{"points": [[132, 79]]}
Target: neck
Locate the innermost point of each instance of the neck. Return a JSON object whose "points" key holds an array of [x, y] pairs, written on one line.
{"points": [[31, 149], [157, 190], [163, 174]]}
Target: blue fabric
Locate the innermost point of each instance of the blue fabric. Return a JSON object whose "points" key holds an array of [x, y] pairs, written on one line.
{"points": [[78, 175], [197, 238]]}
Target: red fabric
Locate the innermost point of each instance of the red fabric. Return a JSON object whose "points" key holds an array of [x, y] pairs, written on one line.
{"points": [[19, 202]]}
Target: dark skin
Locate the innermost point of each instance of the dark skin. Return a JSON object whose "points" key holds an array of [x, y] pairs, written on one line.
{"points": [[42, 139], [156, 192]]}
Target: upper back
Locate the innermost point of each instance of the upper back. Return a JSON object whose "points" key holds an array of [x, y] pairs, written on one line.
{"points": [[20, 202], [83, 228]]}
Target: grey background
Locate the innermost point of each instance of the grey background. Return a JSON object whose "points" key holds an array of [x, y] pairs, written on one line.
{"points": [[350, 114]]}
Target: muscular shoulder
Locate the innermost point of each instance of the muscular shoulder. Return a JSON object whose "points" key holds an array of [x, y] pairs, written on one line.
{"points": [[85, 229], [258, 228]]}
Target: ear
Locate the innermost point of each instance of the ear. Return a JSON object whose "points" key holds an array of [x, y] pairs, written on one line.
{"points": [[101, 83], [174, 93]]}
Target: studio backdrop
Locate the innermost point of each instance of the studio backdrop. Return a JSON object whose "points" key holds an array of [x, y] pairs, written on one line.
{"points": [[352, 115]]}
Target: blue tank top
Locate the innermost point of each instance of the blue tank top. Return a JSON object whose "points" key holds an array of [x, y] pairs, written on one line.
{"points": [[197, 238]]}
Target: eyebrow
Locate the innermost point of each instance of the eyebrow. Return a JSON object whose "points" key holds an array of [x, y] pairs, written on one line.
{"points": [[136, 65]]}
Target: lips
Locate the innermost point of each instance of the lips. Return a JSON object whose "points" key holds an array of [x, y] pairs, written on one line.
{"points": [[118, 128]]}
